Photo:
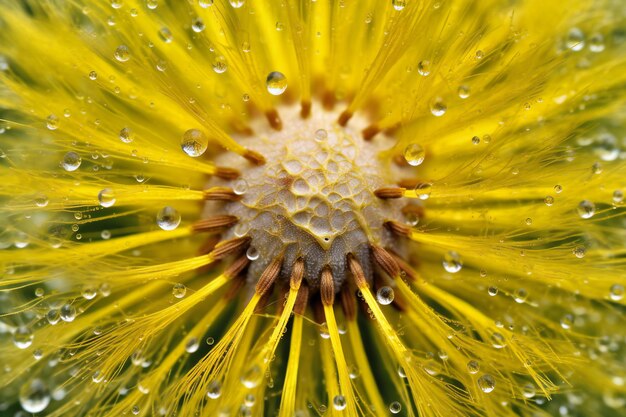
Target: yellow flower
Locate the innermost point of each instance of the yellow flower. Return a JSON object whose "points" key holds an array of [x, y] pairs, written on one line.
{"points": [[304, 208]]}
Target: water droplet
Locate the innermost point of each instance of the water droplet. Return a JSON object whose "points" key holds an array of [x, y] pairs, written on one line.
{"points": [[414, 154], [464, 92], [53, 316], [105, 234], [529, 391], [23, 337], [616, 292], [68, 313], [520, 295], [423, 191], [253, 253], [210, 341], [192, 345], [93, 75], [52, 122], [498, 341], [214, 390], [117, 4], [567, 321], [575, 40], [152, 4], [398, 4], [205, 4], [276, 83], [473, 367], [197, 25], [586, 209], [179, 290], [34, 396], [236, 4], [240, 187], [339, 402], [486, 383], [475, 140], [89, 292], [135, 410], [452, 262], [480, 55], [385, 295], [252, 377], [41, 200], [596, 43], [219, 65], [492, 291], [579, 252], [126, 135], [395, 407], [194, 142], [122, 53], [618, 196], [166, 35], [438, 108], [168, 218], [558, 189], [106, 197], [321, 135], [423, 68], [71, 161]]}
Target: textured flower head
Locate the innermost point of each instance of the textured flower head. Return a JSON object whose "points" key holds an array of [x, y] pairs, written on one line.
{"points": [[304, 208]]}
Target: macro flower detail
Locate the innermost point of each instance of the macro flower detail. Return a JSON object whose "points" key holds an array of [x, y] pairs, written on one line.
{"points": [[312, 208]]}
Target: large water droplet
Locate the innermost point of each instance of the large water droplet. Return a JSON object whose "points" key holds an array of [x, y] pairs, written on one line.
{"points": [[395, 407], [339, 402], [616, 292], [276, 83], [414, 154], [71, 161], [586, 209], [68, 313], [179, 290], [385, 295], [23, 337], [214, 390], [197, 25], [122, 53], [575, 40], [452, 262], [168, 218], [438, 108], [398, 4], [34, 396], [106, 197], [486, 383], [473, 367], [194, 142]]}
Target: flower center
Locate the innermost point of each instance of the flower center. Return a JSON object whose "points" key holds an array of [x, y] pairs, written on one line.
{"points": [[314, 197]]}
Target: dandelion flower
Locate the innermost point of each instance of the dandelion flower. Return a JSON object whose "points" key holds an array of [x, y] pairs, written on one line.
{"points": [[305, 208]]}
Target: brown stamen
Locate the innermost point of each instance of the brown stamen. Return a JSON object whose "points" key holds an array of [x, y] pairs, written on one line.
{"points": [[348, 304], [274, 119], [398, 228], [410, 272], [305, 109], [385, 261], [221, 194], [302, 300], [357, 272], [269, 275], [214, 223], [254, 157], [227, 173], [344, 118], [327, 287], [227, 247], [370, 131], [389, 192], [296, 274]]}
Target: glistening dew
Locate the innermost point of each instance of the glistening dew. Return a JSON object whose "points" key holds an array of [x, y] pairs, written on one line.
{"points": [[312, 208]]}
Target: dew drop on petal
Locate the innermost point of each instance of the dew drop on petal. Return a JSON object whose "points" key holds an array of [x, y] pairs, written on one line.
{"points": [[398, 4], [498, 341], [473, 367], [529, 391], [618, 196], [126, 135], [438, 108], [423, 191], [276, 83], [106, 197], [168, 218], [464, 92], [93, 75], [395, 407], [236, 4], [252, 377], [423, 68], [219, 65], [68, 313], [253, 253], [194, 142], [567, 321], [575, 40], [616, 292], [414, 154], [205, 4], [596, 43], [34, 396], [166, 35], [240, 187], [52, 122], [192, 345], [385, 295], [549, 200], [586, 209], [23, 337], [179, 290], [197, 25], [579, 252], [214, 390], [41, 200], [122, 53], [452, 262], [71, 161], [486, 383], [321, 135], [339, 402]]}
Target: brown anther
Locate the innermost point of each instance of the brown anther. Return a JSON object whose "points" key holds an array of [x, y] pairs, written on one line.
{"points": [[414, 209], [274, 119], [327, 287], [357, 272], [400, 161], [398, 228], [254, 157], [328, 100], [227, 173], [410, 273], [389, 192], [228, 247], [236, 267], [269, 275], [385, 261], [344, 118], [302, 300], [370, 131], [297, 272], [348, 304], [214, 223], [410, 183], [220, 194], [305, 109], [234, 290]]}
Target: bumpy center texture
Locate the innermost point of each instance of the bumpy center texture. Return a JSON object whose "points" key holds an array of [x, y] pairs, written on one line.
{"points": [[314, 197]]}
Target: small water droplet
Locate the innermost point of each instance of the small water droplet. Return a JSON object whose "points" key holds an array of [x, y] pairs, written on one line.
{"points": [[166, 35], [414, 154], [253, 253], [498, 341], [452, 262], [575, 40], [197, 25], [339, 402], [398, 4], [520, 295], [558, 189], [321, 135], [179, 290], [596, 43], [23, 337], [464, 92], [205, 4], [549, 200], [240, 187], [219, 65], [579, 252], [567, 321], [52, 122], [106, 197], [93, 75], [438, 108], [41, 200], [214, 390], [252, 377], [34, 396], [122, 53], [492, 291], [486, 383], [529, 391], [586, 209], [236, 4], [473, 367], [276, 83], [68, 313], [385, 295], [423, 191], [618, 196], [423, 68], [616, 292], [395, 407], [192, 345], [126, 135], [475, 140], [168, 218], [71, 161], [194, 142]]}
